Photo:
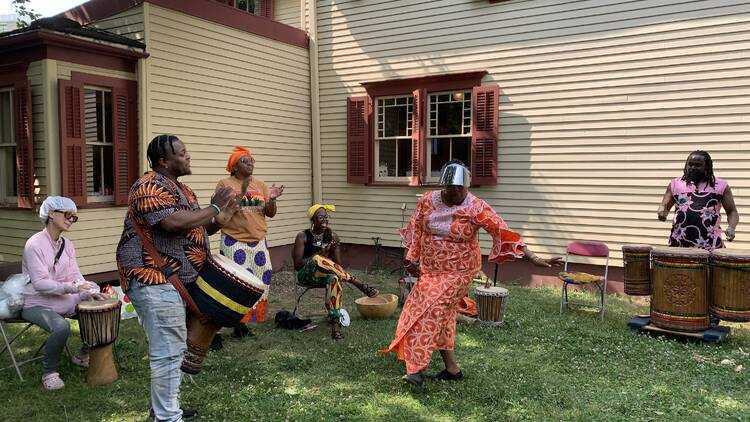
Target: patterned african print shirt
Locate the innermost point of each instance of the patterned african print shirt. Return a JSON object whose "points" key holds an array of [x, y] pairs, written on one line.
{"points": [[151, 199], [697, 214]]}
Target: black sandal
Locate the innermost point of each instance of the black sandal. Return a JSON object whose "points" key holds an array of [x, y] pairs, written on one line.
{"points": [[336, 331], [444, 375], [414, 379]]}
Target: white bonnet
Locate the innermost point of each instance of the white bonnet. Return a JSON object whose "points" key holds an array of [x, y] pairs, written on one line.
{"points": [[53, 203]]}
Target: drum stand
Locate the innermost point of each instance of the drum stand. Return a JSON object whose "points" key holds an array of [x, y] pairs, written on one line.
{"points": [[715, 334]]}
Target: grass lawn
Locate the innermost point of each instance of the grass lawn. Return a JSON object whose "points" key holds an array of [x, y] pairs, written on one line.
{"points": [[539, 366]]}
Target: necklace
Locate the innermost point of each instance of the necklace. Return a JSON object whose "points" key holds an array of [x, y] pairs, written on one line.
{"points": [[317, 237]]}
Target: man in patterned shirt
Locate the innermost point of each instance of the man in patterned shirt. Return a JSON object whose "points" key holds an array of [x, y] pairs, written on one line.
{"points": [[169, 216]]}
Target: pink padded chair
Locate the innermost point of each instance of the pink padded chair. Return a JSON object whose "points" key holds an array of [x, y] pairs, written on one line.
{"points": [[589, 249]]}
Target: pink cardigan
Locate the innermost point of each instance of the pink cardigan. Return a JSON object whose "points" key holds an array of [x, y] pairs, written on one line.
{"points": [[54, 285]]}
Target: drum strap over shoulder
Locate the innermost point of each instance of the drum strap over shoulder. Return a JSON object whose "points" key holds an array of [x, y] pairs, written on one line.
{"points": [[168, 272]]}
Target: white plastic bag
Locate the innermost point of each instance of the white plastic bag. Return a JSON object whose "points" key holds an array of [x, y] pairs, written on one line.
{"points": [[127, 310], [11, 295]]}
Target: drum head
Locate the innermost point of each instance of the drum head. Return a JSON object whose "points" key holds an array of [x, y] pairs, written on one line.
{"points": [[636, 248], [97, 305], [236, 270], [673, 252], [492, 291], [741, 255]]}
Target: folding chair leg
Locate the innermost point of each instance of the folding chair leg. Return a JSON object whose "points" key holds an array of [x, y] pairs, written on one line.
{"points": [[10, 351], [563, 296]]}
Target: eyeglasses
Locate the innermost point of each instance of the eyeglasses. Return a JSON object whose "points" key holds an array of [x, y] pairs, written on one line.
{"points": [[245, 160], [69, 215]]}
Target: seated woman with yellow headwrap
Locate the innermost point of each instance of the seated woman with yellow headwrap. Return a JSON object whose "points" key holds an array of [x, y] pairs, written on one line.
{"points": [[317, 260], [243, 236]]}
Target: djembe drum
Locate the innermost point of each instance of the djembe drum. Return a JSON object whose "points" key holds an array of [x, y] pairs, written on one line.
{"points": [[99, 323], [730, 285], [491, 304], [679, 298], [225, 293], [637, 269]]}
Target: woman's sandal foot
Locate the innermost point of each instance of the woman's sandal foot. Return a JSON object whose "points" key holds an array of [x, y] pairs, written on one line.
{"points": [[444, 375], [336, 332], [414, 379]]}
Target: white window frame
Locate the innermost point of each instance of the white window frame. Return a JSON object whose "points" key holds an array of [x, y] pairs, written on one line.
{"points": [[6, 197], [97, 198], [465, 129], [256, 12], [377, 138]]}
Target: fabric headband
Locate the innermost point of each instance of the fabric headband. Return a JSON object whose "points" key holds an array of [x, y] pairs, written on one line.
{"points": [[237, 154], [311, 211]]}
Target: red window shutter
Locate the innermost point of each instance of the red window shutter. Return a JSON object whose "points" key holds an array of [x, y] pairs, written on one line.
{"points": [[125, 142], [358, 139], [24, 143], [418, 137], [266, 9], [484, 134], [72, 140]]}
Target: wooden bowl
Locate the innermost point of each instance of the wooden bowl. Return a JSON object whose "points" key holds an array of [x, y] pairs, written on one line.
{"points": [[378, 307]]}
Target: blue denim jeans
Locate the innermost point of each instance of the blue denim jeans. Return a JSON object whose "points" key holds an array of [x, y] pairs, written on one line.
{"points": [[162, 314]]}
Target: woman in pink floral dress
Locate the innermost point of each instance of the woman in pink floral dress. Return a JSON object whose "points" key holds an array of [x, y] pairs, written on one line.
{"points": [[442, 238]]}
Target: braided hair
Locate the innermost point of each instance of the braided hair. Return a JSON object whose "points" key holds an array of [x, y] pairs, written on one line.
{"points": [[710, 178], [157, 149]]}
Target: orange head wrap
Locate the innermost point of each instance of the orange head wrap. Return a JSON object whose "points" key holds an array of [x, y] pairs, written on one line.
{"points": [[237, 154]]}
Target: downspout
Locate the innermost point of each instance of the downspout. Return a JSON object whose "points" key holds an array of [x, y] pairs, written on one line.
{"points": [[317, 182]]}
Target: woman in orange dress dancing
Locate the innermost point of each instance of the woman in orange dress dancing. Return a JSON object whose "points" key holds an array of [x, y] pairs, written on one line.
{"points": [[441, 239]]}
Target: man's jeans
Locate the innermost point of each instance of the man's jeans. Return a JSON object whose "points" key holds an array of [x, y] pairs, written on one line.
{"points": [[162, 314]]}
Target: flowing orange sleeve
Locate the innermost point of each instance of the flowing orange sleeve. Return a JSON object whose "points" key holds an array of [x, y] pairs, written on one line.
{"points": [[411, 235], [506, 244]]}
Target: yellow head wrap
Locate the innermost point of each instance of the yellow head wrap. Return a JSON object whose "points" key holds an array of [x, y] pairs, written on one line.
{"points": [[311, 210]]}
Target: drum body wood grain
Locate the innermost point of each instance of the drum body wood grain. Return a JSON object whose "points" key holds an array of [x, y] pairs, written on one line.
{"points": [[637, 269], [679, 299], [99, 323], [491, 303], [730, 285]]}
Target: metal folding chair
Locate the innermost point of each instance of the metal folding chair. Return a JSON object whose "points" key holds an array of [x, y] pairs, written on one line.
{"points": [[587, 249], [15, 363]]}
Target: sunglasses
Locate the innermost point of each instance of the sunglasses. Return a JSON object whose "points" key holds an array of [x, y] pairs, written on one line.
{"points": [[69, 215]]}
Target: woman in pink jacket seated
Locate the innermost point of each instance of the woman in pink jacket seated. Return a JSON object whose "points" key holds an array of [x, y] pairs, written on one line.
{"points": [[57, 285]]}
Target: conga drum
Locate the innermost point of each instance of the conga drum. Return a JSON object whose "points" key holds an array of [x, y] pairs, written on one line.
{"points": [[225, 293], [99, 323], [491, 304], [679, 297], [730, 285], [637, 269]]}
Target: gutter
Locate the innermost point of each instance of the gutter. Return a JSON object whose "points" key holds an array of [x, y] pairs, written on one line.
{"points": [[317, 182]]}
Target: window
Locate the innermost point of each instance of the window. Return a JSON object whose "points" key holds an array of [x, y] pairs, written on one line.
{"points": [[403, 131], [393, 131], [99, 149], [448, 130], [256, 7], [98, 138], [8, 167]]}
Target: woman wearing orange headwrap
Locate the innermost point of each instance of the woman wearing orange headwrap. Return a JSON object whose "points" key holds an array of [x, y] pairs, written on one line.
{"points": [[243, 236]]}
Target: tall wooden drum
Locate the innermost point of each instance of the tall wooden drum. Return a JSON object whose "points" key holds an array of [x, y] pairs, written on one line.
{"points": [[99, 322], [730, 285], [637, 269], [679, 298], [491, 304]]}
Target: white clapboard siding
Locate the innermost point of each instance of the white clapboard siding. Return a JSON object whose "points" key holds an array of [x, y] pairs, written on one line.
{"points": [[216, 87], [600, 103], [287, 12]]}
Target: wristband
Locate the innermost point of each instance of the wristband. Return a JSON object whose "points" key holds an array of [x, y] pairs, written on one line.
{"points": [[216, 207]]}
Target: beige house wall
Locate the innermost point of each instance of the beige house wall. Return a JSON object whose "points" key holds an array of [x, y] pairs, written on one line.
{"points": [[287, 12], [216, 87], [601, 101], [129, 23]]}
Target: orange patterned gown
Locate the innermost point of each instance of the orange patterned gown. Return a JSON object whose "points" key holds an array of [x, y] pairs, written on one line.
{"points": [[444, 241]]}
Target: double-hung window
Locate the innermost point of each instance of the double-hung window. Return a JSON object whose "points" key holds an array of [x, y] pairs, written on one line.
{"points": [[393, 132], [404, 131], [17, 179], [98, 138]]}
